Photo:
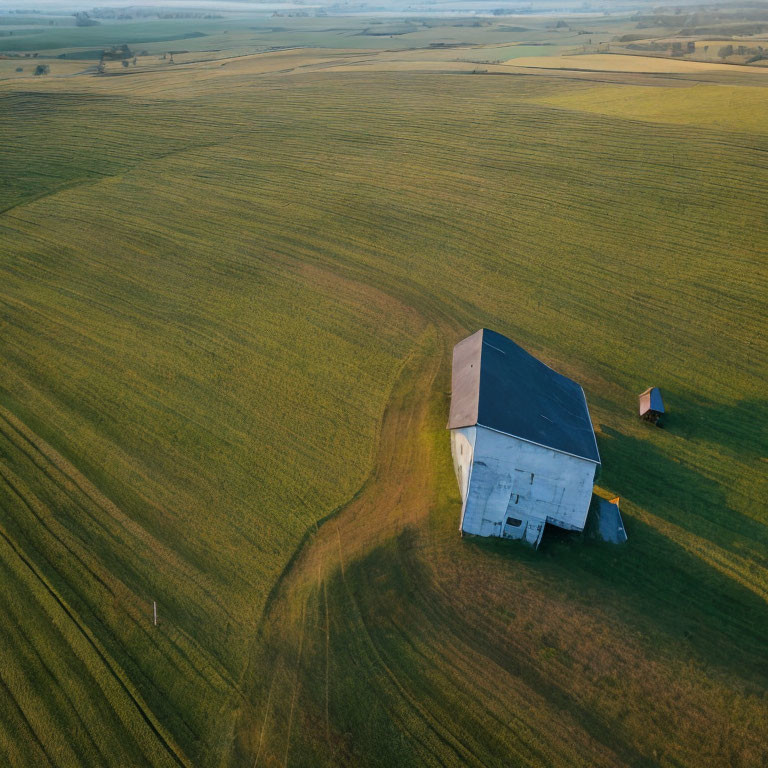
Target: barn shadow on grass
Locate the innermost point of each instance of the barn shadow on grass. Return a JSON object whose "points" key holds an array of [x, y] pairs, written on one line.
{"points": [[639, 472], [669, 600], [403, 614], [672, 599]]}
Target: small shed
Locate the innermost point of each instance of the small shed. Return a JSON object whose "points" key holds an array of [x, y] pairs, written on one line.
{"points": [[523, 446], [651, 404]]}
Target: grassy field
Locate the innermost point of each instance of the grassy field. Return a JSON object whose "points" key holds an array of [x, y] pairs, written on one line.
{"points": [[260, 31], [229, 295], [714, 105], [618, 63]]}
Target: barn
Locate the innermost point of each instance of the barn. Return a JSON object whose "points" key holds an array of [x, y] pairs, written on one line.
{"points": [[523, 446]]}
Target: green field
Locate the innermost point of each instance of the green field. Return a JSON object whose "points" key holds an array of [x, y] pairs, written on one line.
{"points": [[229, 296], [262, 30]]}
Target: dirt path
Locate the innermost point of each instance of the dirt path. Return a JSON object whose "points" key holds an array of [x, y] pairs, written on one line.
{"points": [[388, 629], [373, 634], [387, 503]]}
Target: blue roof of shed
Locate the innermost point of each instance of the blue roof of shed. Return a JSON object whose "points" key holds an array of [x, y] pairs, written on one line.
{"points": [[609, 523], [651, 400], [497, 384]]}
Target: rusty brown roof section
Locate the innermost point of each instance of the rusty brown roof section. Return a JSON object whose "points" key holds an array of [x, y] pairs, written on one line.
{"points": [[465, 382]]}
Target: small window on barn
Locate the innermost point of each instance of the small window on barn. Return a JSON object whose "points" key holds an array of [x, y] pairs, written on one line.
{"points": [[514, 522]]}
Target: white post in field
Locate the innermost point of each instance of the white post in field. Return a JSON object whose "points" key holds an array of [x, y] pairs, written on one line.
{"points": [[154, 611]]}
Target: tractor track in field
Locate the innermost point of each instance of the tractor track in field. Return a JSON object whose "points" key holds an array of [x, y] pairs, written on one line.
{"points": [[323, 552], [390, 501], [143, 710], [24, 719], [298, 561]]}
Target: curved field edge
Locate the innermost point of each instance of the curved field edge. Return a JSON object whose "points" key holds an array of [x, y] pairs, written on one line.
{"points": [[97, 536]]}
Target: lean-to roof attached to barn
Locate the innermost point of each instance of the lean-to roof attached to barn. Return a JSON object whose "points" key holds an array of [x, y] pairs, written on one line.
{"points": [[497, 384]]}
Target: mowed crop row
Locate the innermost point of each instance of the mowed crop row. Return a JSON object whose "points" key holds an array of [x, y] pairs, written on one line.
{"points": [[65, 699], [194, 384], [204, 318]]}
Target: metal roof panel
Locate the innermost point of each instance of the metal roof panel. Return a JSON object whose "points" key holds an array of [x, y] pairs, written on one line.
{"points": [[650, 400], [497, 384]]}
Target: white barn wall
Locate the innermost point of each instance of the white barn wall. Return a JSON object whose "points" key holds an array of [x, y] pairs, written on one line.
{"points": [[462, 450], [515, 478]]}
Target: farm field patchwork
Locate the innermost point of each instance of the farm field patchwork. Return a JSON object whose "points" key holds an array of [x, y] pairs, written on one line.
{"points": [[619, 63], [229, 299]]}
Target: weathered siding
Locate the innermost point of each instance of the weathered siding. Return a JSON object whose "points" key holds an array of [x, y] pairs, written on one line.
{"points": [[512, 478], [462, 450]]}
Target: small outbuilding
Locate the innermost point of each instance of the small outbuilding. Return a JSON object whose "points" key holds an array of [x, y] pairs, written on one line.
{"points": [[523, 446], [651, 404]]}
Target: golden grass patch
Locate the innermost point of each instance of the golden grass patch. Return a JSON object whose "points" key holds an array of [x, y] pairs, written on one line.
{"points": [[610, 62], [731, 107]]}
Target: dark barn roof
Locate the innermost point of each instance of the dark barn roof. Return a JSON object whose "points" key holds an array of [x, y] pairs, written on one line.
{"points": [[499, 385], [651, 400]]}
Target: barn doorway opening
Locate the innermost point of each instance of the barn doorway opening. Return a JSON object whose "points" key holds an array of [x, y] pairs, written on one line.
{"points": [[513, 528]]}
